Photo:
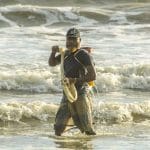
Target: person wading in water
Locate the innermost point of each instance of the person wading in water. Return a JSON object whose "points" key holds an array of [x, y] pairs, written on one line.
{"points": [[79, 69]]}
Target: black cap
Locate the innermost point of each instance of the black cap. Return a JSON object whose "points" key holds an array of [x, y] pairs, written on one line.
{"points": [[73, 32]]}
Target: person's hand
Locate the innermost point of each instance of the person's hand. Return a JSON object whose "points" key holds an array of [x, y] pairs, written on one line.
{"points": [[55, 49]]}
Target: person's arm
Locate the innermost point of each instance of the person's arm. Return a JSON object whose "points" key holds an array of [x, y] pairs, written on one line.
{"points": [[53, 59], [89, 76], [86, 61]]}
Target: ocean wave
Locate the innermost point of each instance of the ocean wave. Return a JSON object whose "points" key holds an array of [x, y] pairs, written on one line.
{"points": [[103, 112], [118, 112], [56, 2], [128, 77], [100, 15], [15, 111], [29, 15], [30, 81], [35, 16], [142, 18], [70, 2], [108, 79]]}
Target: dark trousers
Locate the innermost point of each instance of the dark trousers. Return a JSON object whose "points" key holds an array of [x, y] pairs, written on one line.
{"points": [[80, 111]]}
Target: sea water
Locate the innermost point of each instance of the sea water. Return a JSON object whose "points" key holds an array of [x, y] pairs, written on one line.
{"points": [[30, 90]]}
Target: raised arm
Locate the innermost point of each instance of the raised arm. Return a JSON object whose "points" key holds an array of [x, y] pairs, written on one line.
{"points": [[53, 59]]}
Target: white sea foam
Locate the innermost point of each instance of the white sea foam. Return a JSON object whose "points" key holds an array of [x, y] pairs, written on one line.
{"points": [[114, 112], [108, 79], [104, 112], [127, 76], [15, 111], [33, 81]]}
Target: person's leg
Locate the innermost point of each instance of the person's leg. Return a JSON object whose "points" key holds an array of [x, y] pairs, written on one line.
{"points": [[62, 117], [75, 117], [83, 108]]}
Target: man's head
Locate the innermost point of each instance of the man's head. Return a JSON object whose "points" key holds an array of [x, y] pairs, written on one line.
{"points": [[73, 39]]}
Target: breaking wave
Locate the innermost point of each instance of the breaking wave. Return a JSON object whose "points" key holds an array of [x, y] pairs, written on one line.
{"points": [[104, 112], [118, 112], [125, 77], [108, 79], [32, 15]]}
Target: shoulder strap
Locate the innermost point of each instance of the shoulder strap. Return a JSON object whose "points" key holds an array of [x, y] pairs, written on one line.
{"points": [[66, 54], [77, 58], [91, 83]]}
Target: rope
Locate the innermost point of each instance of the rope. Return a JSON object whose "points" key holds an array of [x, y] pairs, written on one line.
{"points": [[68, 88]]}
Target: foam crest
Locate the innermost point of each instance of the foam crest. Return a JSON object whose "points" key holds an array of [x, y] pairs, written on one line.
{"points": [[15, 111], [128, 76], [108, 82], [113, 112], [110, 78], [103, 112], [30, 81], [27, 15], [33, 15]]}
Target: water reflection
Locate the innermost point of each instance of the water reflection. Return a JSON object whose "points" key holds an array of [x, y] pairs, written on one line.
{"points": [[74, 143]]}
